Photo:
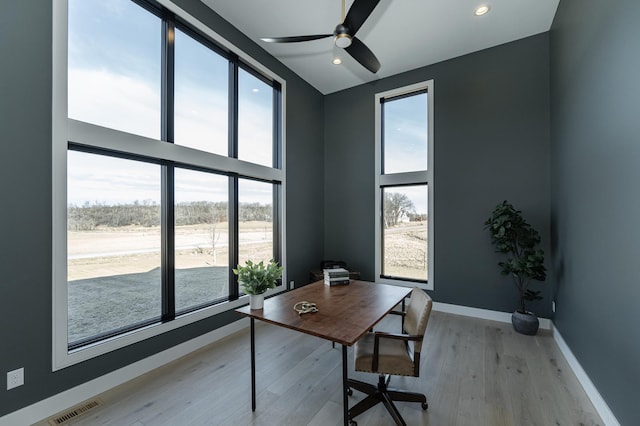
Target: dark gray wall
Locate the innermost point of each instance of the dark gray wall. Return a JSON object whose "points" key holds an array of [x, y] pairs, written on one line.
{"points": [[25, 243], [491, 144], [595, 64]]}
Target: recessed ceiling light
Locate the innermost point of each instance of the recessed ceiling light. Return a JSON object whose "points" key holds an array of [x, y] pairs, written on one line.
{"points": [[482, 10], [337, 61]]}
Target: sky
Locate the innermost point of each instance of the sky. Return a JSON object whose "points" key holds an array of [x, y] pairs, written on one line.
{"points": [[114, 81], [405, 134]]}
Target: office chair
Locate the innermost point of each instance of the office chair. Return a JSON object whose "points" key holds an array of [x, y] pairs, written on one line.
{"points": [[392, 354]]}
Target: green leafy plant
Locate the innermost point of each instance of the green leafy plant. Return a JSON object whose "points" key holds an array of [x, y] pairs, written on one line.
{"points": [[256, 278], [512, 235]]}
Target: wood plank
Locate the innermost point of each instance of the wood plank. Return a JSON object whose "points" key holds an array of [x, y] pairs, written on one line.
{"points": [[497, 400], [329, 414], [470, 370]]}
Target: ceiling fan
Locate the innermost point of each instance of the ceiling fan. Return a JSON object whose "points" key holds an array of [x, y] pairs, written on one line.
{"points": [[345, 34]]}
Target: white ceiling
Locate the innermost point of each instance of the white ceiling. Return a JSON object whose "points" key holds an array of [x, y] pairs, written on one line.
{"points": [[403, 34]]}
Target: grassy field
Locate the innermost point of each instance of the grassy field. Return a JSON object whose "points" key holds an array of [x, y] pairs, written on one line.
{"points": [[405, 248], [114, 273], [103, 304]]}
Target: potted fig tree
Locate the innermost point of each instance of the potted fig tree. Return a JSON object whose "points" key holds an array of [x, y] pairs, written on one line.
{"points": [[515, 237], [256, 278]]}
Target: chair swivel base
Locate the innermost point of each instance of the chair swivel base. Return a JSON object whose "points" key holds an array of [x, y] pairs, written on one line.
{"points": [[382, 393]]}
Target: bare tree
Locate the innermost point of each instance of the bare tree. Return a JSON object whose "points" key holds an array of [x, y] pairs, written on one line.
{"points": [[396, 206], [218, 214]]}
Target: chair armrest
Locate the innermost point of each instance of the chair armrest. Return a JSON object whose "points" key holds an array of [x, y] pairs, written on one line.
{"points": [[395, 336]]}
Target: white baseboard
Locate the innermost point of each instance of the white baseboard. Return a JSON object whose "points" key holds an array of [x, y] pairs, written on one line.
{"points": [[598, 402], [466, 311], [53, 405]]}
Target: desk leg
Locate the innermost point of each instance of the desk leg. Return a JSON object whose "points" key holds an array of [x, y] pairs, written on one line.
{"points": [[345, 399], [253, 365]]}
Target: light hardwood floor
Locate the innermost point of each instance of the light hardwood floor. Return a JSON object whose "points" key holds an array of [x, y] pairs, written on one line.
{"points": [[474, 372]]}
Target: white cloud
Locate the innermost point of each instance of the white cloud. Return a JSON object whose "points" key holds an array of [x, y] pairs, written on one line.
{"points": [[115, 101], [95, 178]]}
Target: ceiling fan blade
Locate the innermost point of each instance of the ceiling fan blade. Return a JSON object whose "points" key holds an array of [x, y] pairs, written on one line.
{"points": [[359, 12], [362, 54], [295, 39]]}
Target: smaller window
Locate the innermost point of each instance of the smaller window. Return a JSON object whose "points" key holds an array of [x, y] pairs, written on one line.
{"points": [[404, 185]]}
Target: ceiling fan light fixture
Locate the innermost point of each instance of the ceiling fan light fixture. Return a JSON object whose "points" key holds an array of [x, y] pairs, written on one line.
{"points": [[343, 40], [482, 10]]}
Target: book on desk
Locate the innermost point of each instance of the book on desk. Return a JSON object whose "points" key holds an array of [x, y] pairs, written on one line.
{"points": [[336, 276]]}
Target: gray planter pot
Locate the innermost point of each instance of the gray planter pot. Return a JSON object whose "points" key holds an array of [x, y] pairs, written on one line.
{"points": [[525, 323]]}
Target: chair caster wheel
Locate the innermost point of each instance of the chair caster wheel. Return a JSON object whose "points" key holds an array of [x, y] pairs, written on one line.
{"points": [[349, 391], [425, 406]]}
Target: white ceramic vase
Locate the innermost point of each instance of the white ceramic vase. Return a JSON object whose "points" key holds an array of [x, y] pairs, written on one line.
{"points": [[256, 301]]}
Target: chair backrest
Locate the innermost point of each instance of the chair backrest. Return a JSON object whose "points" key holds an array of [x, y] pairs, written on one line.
{"points": [[417, 317]]}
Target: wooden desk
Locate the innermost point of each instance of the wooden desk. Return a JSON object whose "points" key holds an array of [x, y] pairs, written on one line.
{"points": [[345, 314]]}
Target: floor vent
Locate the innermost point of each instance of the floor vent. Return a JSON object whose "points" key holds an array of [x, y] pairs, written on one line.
{"points": [[75, 412]]}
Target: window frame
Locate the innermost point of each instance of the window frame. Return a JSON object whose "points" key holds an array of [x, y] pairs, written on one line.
{"points": [[67, 132], [423, 177]]}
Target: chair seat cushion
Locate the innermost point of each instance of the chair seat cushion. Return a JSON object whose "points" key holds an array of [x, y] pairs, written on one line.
{"points": [[393, 357]]}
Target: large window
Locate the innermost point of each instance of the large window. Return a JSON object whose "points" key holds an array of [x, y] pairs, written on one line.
{"points": [[404, 185], [167, 172]]}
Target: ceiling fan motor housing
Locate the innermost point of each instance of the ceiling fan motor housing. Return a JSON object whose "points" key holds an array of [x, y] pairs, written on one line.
{"points": [[342, 37]]}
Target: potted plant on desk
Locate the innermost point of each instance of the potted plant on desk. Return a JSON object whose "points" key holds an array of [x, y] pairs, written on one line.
{"points": [[512, 235], [256, 278]]}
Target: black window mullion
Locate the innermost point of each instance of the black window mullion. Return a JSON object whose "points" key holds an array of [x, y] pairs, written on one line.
{"points": [[234, 233], [168, 244], [275, 219], [168, 72], [277, 163], [381, 219], [168, 172], [277, 130], [234, 237], [381, 190], [233, 106], [382, 136]]}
